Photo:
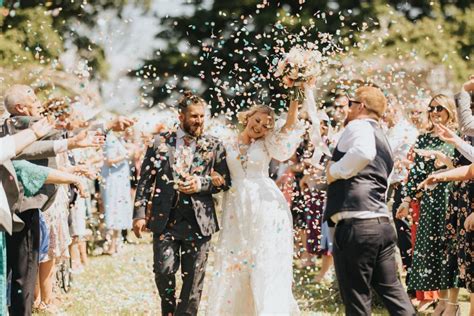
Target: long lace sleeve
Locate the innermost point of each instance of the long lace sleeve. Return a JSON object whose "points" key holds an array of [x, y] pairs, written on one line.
{"points": [[281, 146], [31, 176]]}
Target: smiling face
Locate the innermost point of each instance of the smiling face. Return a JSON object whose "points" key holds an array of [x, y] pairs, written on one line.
{"points": [[192, 119], [28, 103], [438, 114], [258, 125]]}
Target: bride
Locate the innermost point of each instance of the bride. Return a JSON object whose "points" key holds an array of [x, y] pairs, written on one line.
{"points": [[253, 271]]}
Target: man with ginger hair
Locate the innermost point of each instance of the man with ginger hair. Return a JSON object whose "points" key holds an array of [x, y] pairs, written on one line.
{"points": [[364, 239]]}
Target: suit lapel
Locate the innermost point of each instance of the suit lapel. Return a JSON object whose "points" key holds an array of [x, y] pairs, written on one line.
{"points": [[171, 144], [198, 165]]}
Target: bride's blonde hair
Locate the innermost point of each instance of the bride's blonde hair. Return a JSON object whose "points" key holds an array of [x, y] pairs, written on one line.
{"points": [[244, 116]]}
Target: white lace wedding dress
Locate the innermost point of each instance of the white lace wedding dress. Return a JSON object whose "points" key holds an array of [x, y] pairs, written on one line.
{"points": [[253, 272]]}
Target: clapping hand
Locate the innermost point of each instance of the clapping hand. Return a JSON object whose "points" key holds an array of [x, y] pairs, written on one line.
{"points": [[87, 139], [42, 127], [120, 124]]}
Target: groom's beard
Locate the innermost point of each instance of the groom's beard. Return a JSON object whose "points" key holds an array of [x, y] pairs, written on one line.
{"points": [[193, 129]]}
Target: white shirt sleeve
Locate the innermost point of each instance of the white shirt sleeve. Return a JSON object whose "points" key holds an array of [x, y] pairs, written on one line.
{"points": [[7, 148], [466, 150], [60, 146], [359, 139]]}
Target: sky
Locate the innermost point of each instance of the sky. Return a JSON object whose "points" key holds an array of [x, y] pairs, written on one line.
{"points": [[127, 42]]}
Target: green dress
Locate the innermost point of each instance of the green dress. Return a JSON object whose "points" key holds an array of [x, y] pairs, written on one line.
{"points": [[428, 271], [32, 178]]}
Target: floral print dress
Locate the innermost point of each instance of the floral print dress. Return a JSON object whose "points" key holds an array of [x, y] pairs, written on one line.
{"points": [[459, 242], [428, 271]]}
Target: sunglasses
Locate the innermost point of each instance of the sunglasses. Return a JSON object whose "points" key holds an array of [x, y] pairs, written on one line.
{"points": [[352, 102], [436, 109]]}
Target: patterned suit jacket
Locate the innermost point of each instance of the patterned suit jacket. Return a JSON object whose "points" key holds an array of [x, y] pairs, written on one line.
{"points": [[156, 184]]}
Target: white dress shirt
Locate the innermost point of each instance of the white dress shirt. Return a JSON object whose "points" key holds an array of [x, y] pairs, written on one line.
{"points": [[7, 151], [466, 150], [185, 154], [358, 143]]}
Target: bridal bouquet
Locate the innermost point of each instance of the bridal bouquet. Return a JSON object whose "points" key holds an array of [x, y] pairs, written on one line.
{"points": [[298, 68]]}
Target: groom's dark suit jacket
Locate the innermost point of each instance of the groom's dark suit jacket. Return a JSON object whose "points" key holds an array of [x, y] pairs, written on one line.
{"points": [[156, 177]]}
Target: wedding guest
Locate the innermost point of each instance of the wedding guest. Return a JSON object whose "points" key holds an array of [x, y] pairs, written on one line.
{"points": [[401, 136], [364, 253], [22, 247], [10, 193], [56, 216], [463, 105], [428, 271], [115, 190], [418, 116], [465, 234]]}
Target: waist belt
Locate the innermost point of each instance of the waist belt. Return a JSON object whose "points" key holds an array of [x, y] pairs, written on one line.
{"points": [[375, 220]]}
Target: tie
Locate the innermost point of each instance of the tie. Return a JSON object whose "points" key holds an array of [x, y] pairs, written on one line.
{"points": [[188, 140]]}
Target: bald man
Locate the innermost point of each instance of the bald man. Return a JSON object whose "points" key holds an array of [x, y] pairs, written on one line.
{"points": [[23, 246]]}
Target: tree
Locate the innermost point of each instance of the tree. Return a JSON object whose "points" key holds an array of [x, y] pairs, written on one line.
{"points": [[35, 31], [225, 51]]}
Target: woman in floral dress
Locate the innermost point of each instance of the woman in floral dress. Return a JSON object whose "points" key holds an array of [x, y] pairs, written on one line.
{"points": [[428, 272]]}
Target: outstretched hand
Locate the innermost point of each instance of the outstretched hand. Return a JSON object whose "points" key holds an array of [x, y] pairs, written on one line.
{"points": [[87, 139], [81, 189], [120, 124], [429, 182], [445, 134], [441, 158]]}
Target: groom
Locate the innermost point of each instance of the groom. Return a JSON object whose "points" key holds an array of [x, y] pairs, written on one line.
{"points": [[176, 180]]}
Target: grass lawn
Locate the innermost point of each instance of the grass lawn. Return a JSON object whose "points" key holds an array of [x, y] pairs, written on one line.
{"points": [[124, 285]]}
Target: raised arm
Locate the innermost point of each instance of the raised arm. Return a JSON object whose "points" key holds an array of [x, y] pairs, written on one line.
{"points": [[463, 104], [456, 174], [450, 137], [292, 117]]}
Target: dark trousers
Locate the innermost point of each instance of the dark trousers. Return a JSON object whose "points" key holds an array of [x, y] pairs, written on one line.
{"points": [[168, 254], [364, 258], [22, 263], [403, 228], [180, 244]]}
